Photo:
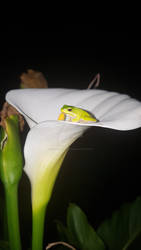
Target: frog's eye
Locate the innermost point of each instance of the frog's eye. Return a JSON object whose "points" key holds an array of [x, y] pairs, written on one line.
{"points": [[69, 109]]}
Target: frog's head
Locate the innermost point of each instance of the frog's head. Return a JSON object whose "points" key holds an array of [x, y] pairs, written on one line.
{"points": [[67, 109]]}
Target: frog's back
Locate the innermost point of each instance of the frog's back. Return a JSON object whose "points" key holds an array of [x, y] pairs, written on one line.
{"points": [[83, 114]]}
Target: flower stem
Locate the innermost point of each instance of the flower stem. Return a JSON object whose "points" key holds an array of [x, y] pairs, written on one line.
{"points": [[38, 217], [11, 193]]}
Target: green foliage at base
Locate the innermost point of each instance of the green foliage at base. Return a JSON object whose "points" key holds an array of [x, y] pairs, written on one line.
{"points": [[121, 232], [123, 228]]}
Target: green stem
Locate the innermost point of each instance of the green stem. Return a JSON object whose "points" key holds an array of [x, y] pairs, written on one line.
{"points": [[38, 218], [11, 193]]}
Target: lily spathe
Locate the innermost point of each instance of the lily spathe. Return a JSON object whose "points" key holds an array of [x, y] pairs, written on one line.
{"points": [[49, 139]]}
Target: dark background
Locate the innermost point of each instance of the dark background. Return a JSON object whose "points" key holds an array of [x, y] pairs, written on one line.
{"points": [[102, 169]]}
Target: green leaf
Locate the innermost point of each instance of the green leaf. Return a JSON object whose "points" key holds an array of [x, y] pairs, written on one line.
{"points": [[81, 233], [123, 227], [135, 244], [63, 231]]}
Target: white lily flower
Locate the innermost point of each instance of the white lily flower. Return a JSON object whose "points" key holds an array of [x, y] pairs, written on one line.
{"points": [[49, 139]]}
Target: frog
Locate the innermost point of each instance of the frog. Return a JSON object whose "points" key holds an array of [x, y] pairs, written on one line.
{"points": [[76, 114]]}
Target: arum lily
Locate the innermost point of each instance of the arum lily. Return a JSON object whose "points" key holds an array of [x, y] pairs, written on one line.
{"points": [[49, 139]]}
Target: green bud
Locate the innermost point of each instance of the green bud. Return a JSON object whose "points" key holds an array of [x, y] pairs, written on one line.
{"points": [[11, 160]]}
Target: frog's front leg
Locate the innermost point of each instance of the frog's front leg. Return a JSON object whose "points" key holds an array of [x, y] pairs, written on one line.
{"points": [[75, 119]]}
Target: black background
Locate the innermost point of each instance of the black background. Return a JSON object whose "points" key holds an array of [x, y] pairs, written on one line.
{"points": [[102, 169]]}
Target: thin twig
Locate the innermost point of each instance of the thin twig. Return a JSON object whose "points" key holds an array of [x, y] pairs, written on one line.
{"points": [[95, 80], [60, 243]]}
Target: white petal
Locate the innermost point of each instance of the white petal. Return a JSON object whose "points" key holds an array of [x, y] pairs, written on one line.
{"points": [[44, 145], [113, 110], [45, 104]]}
